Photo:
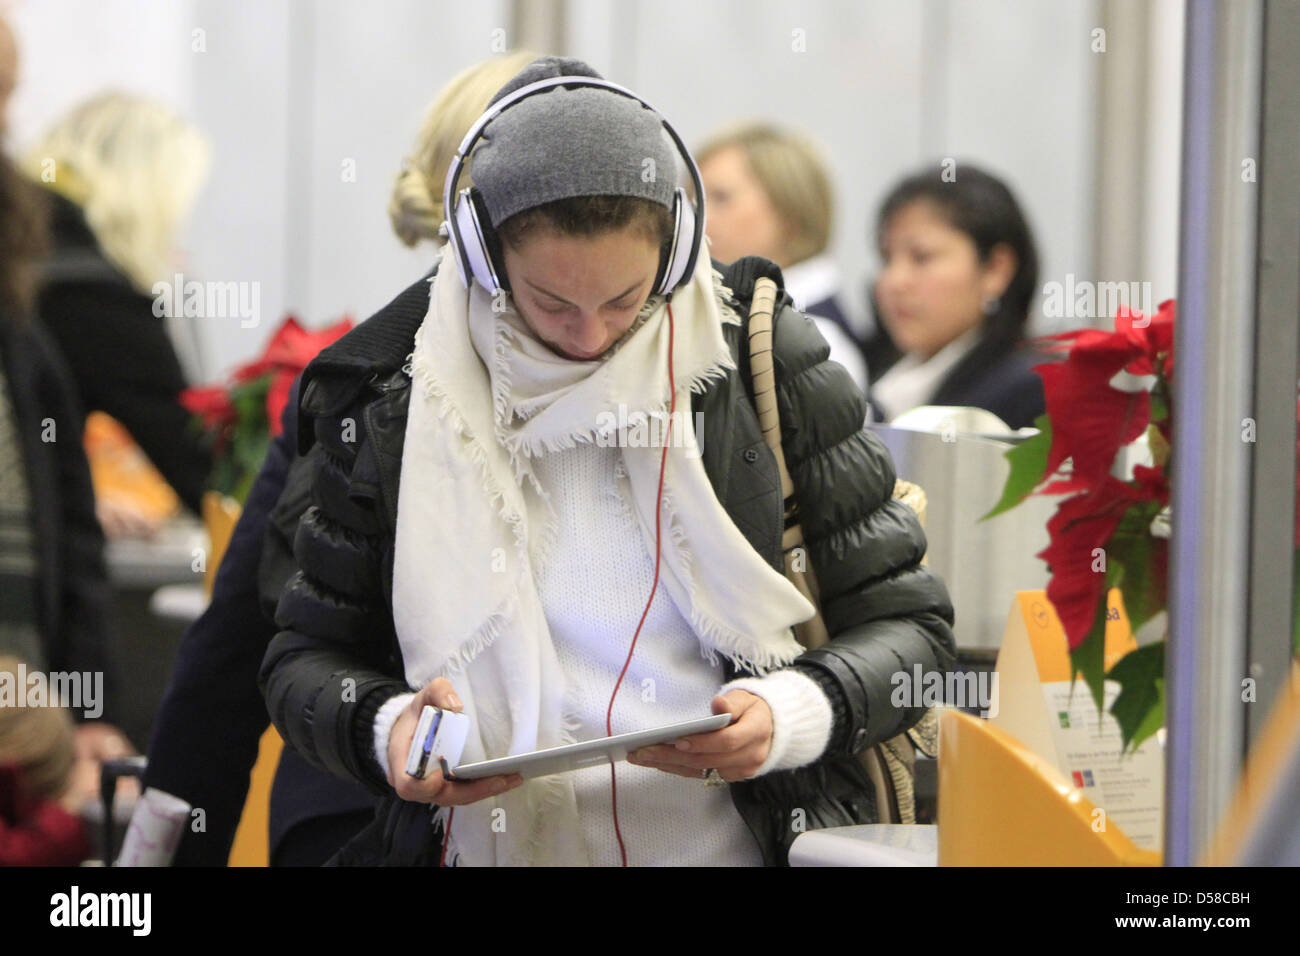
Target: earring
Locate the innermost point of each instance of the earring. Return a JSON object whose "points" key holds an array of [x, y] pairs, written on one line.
{"points": [[991, 305]]}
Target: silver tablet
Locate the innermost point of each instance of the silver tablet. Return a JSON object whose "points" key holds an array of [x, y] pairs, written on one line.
{"points": [[589, 753]]}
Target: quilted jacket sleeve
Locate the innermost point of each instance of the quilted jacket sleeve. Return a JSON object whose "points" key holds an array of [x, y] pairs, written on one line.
{"points": [[333, 663], [886, 613]]}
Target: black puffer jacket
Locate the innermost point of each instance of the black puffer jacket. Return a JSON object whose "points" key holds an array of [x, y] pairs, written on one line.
{"points": [[337, 658]]}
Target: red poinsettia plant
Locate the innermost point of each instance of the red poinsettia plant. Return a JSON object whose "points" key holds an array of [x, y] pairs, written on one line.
{"points": [[1109, 532], [242, 416]]}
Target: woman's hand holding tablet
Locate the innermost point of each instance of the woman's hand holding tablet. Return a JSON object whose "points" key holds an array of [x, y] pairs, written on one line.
{"points": [[735, 741], [589, 753], [737, 751], [435, 788]]}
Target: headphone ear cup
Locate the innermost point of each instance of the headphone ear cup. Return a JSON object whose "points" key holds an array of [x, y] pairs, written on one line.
{"points": [[475, 235], [493, 255], [471, 241], [456, 242], [681, 255]]}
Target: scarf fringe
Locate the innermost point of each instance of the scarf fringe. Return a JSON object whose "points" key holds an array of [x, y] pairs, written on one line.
{"points": [[446, 410], [737, 647], [522, 448], [716, 638], [545, 792], [724, 295]]}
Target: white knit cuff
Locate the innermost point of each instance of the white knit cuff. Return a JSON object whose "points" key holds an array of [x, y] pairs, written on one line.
{"points": [[384, 720], [801, 717]]}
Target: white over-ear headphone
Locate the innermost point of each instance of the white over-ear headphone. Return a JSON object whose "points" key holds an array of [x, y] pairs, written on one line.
{"points": [[469, 232]]}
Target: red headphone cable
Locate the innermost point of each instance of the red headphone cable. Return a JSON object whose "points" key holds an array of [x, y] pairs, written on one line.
{"points": [[663, 461]]}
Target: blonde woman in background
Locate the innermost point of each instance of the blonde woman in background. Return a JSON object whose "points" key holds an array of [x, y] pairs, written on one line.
{"points": [[770, 195], [313, 813], [122, 172], [416, 204]]}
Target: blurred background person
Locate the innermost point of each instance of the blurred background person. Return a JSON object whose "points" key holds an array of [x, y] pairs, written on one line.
{"points": [[38, 825], [959, 273], [312, 812], [53, 581], [122, 172], [769, 195]]}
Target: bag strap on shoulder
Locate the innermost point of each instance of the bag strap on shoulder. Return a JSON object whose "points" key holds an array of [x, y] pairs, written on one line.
{"points": [[890, 765]]}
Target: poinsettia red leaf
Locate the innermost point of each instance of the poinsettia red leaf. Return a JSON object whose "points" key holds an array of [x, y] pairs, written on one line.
{"points": [[294, 347], [1142, 365], [1149, 336], [1064, 486], [199, 399], [1161, 331], [1055, 377], [1109, 347], [1081, 525], [211, 403], [1152, 483], [287, 341], [1076, 531], [252, 370], [1091, 420], [1129, 320], [277, 397]]}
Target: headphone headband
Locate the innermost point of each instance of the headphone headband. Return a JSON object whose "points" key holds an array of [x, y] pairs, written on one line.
{"points": [[452, 209]]}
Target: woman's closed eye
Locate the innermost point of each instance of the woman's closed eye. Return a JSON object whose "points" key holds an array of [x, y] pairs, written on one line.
{"points": [[560, 308]]}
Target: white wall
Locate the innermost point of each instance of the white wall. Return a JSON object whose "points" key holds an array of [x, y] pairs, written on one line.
{"points": [[288, 91]]}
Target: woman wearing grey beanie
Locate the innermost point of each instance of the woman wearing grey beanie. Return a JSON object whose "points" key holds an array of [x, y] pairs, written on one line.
{"points": [[542, 499]]}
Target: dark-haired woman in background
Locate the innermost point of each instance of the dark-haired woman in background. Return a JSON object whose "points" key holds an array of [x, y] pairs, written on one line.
{"points": [[959, 271]]}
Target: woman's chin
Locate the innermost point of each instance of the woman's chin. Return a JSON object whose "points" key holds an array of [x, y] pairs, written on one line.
{"points": [[904, 341], [910, 343], [575, 356]]}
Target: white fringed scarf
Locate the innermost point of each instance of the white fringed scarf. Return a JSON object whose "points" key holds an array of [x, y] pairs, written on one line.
{"points": [[474, 528]]}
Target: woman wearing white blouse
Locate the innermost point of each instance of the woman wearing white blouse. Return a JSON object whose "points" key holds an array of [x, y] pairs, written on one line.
{"points": [[954, 292]]}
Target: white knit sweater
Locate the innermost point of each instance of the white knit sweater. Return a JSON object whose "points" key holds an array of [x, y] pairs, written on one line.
{"points": [[593, 591]]}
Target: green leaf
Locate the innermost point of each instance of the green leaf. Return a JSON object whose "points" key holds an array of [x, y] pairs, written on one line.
{"points": [[1159, 407], [1295, 603], [222, 478], [1088, 660], [1028, 467], [249, 399], [1131, 566], [1140, 706]]}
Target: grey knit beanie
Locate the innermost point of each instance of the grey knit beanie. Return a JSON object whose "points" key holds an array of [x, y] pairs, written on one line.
{"points": [[570, 142]]}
